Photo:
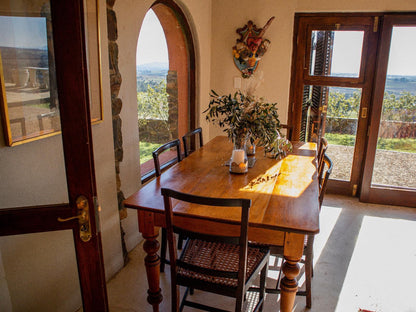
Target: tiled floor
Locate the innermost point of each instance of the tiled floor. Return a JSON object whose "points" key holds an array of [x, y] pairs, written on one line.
{"points": [[365, 258]]}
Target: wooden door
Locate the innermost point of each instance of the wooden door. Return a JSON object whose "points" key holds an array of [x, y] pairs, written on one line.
{"points": [[72, 86], [333, 65], [390, 165]]}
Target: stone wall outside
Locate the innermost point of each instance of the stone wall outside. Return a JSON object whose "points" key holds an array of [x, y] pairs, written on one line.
{"points": [[388, 128]]}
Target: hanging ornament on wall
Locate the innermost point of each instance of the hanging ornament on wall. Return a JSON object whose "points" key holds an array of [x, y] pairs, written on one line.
{"points": [[250, 47]]}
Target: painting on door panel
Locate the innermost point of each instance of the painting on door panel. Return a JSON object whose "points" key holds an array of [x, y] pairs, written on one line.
{"points": [[395, 161]]}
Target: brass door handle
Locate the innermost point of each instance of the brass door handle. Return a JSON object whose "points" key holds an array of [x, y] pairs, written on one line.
{"points": [[83, 218]]}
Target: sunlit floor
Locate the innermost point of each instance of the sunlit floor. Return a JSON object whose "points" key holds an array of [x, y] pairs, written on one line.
{"points": [[365, 258]]}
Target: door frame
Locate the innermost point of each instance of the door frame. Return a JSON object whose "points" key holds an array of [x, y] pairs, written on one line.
{"points": [[72, 81], [367, 22], [377, 193]]}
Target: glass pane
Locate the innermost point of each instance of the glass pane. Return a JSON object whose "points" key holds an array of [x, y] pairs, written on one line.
{"points": [[332, 112], [30, 103], [336, 53], [395, 161], [157, 117], [38, 272]]}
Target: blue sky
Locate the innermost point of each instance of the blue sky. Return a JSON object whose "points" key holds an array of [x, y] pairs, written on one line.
{"points": [[151, 46], [346, 54], [23, 32], [402, 60]]}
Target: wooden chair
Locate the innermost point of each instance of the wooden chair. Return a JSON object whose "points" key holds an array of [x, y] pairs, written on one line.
{"points": [[308, 248], [158, 169], [156, 153], [323, 146], [225, 265], [187, 146], [289, 130], [187, 143]]}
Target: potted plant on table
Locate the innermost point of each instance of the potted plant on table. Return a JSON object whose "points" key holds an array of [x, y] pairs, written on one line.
{"points": [[245, 117]]}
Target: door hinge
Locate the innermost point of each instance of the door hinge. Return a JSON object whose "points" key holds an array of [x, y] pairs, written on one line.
{"points": [[375, 25], [97, 209]]}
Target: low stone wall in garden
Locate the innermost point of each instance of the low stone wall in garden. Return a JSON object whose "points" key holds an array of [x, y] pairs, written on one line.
{"points": [[388, 128], [154, 131]]}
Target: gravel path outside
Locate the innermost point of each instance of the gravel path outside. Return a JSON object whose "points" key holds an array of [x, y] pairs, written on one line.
{"points": [[390, 168]]}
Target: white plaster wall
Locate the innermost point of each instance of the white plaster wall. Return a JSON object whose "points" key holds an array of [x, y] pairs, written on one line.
{"points": [[274, 68], [130, 15], [104, 163]]}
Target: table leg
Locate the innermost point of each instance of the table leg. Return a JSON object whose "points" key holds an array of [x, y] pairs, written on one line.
{"points": [[152, 260], [293, 250]]}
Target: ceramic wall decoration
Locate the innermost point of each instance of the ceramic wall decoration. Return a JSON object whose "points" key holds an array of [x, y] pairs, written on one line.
{"points": [[250, 47]]}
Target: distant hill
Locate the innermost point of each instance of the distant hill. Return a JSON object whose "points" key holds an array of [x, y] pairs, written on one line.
{"points": [[154, 66], [394, 84]]}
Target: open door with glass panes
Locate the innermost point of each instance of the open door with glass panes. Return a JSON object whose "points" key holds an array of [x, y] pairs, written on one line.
{"points": [[353, 82], [331, 89], [389, 175]]}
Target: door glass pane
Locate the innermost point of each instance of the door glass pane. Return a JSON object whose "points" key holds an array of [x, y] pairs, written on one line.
{"points": [[395, 161], [332, 112], [336, 53], [30, 99], [38, 273]]}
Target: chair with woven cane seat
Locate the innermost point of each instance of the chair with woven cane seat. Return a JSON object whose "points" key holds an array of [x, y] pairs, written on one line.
{"points": [[187, 143], [309, 240], [225, 265], [323, 146], [289, 130], [175, 144], [189, 146], [308, 250]]}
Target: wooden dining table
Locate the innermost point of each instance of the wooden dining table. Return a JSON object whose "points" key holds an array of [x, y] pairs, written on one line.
{"points": [[285, 207]]}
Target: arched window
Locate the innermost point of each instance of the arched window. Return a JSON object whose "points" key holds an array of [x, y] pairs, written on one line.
{"points": [[165, 80]]}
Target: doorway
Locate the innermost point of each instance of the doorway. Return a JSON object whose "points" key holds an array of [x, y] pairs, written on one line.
{"points": [[336, 73]]}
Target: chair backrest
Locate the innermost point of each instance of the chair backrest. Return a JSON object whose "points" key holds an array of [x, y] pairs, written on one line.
{"points": [[323, 146], [187, 143], [289, 130], [156, 153], [240, 239], [323, 183]]}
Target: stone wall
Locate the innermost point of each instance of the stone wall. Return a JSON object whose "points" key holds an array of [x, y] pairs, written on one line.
{"points": [[172, 91], [397, 129], [116, 105], [154, 131], [162, 131], [388, 128]]}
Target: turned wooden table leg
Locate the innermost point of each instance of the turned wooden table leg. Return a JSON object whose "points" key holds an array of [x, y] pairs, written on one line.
{"points": [[293, 251], [152, 260]]}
